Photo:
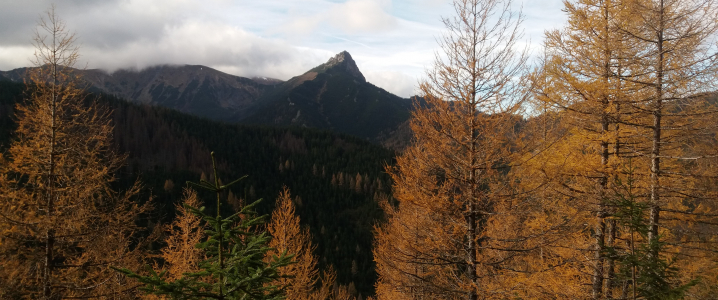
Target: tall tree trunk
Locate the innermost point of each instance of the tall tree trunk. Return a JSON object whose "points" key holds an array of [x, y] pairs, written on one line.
{"points": [[610, 263], [603, 272], [472, 211], [624, 289], [471, 248], [49, 233], [600, 230], [473, 159], [656, 147], [598, 265]]}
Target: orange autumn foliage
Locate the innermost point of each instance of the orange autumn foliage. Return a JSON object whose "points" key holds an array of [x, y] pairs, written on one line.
{"points": [[625, 82], [61, 224], [181, 254], [462, 227], [302, 276]]}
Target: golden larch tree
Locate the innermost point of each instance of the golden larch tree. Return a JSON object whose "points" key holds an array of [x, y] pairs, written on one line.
{"points": [[582, 79], [62, 225], [300, 277], [184, 233], [461, 228], [628, 79], [675, 70]]}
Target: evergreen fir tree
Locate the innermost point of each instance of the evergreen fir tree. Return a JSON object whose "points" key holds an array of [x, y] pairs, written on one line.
{"points": [[234, 267], [645, 276]]}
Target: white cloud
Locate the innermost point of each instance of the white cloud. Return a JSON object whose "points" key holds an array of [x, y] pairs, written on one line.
{"points": [[350, 17], [362, 16], [301, 26], [217, 45], [398, 83], [12, 57]]}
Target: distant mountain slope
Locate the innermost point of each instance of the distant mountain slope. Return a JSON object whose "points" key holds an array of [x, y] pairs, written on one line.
{"points": [[197, 90], [333, 96]]}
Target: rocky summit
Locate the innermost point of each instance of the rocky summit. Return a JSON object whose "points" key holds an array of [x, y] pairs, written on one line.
{"points": [[342, 62]]}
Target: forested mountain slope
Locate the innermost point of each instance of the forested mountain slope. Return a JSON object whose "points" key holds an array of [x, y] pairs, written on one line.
{"points": [[335, 179]]}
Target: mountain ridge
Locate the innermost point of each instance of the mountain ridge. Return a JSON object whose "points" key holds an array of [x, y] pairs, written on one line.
{"points": [[332, 96], [193, 89]]}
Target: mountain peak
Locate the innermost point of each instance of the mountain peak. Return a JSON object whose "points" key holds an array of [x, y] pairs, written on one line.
{"points": [[343, 62], [339, 58]]}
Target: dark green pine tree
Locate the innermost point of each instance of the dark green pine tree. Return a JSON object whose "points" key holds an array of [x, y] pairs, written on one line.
{"points": [[234, 268], [644, 276]]}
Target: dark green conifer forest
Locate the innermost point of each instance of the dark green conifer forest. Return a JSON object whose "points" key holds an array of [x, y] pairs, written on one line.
{"points": [[166, 149]]}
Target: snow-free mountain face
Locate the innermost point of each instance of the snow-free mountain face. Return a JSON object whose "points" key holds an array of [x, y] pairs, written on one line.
{"points": [[337, 97], [196, 90], [192, 89], [341, 63], [333, 96]]}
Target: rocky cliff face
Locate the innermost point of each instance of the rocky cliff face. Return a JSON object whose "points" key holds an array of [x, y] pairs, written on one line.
{"points": [[343, 63]]}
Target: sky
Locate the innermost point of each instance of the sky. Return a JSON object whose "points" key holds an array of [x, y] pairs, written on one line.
{"points": [[392, 41]]}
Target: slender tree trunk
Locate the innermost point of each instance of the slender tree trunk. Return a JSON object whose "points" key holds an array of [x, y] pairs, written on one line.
{"points": [[624, 289], [598, 266], [599, 272], [473, 213], [656, 147], [472, 252], [633, 268], [221, 236], [49, 233], [611, 231], [610, 263], [601, 223], [49, 244]]}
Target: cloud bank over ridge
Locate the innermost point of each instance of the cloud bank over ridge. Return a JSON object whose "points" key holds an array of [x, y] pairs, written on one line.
{"points": [[392, 41]]}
